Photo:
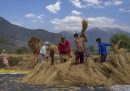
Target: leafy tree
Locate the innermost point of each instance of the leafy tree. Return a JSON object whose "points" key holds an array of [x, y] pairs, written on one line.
{"points": [[124, 38]]}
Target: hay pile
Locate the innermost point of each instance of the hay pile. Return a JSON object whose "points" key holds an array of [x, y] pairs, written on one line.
{"points": [[115, 71], [35, 45]]}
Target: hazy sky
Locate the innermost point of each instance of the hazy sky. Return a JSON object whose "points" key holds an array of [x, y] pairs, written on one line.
{"points": [[60, 15]]}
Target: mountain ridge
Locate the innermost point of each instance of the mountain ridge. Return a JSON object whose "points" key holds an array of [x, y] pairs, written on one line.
{"points": [[18, 36]]}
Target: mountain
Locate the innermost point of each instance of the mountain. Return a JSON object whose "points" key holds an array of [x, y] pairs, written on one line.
{"points": [[16, 36], [93, 33]]}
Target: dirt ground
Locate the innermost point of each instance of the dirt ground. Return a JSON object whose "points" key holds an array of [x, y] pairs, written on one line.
{"points": [[10, 82]]}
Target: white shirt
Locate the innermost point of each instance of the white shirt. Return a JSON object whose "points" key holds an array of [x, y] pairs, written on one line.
{"points": [[43, 50]]}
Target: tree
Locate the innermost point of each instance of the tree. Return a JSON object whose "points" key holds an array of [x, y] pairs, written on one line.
{"points": [[22, 50], [125, 40]]}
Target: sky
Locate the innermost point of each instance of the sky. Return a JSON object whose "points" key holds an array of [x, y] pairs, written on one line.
{"points": [[66, 15]]}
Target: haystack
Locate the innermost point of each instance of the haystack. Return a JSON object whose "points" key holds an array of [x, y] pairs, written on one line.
{"points": [[35, 45], [115, 71]]}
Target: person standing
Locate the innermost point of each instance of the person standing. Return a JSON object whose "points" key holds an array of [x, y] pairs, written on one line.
{"points": [[5, 59], [102, 50], [51, 53], [42, 53], [64, 49], [79, 41]]}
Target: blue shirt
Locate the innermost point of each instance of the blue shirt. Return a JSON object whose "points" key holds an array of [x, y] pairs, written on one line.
{"points": [[102, 47]]}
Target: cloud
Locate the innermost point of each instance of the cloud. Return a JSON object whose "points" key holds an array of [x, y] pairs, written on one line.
{"points": [[117, 2], [30, 15], [35, 18], [124, 10], [100, 21], [54, 8], [103, 22], [68, 23], [77, 3], [113, 2], [95, 3], [17, 23], [73, 23], [75, 12]]}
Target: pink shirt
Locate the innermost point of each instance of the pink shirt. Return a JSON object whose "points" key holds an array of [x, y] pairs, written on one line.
{"points": [[4, 58]]}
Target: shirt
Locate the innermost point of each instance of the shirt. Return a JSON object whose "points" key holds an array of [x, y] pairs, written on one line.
{"points": [[64, 48], [43, 50], [102, 47], [51, 53]]}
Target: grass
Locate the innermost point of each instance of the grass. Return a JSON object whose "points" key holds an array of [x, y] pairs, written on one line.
{"points": [[14, 59], [13, 70]]}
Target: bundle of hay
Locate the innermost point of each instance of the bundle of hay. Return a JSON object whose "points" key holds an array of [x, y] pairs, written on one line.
{"points": [[84, 27], [34, 45]]}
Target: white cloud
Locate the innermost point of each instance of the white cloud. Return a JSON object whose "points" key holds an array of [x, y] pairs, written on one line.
{"points": [[75, 12], [100, 21], [30, 15], [95, 3], [103, 22], [17, 23], [68, 23], [73, 23], [107, 3], [113, 2], [117, 2], [54, 8], [124, 10], [35, 18], [77, 3]]}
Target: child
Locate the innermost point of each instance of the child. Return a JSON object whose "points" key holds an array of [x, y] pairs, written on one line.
{"points": [[52, 55], [4, 59]]}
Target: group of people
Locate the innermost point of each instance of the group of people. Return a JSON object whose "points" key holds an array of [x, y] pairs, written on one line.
{"points": [[65, 52]]}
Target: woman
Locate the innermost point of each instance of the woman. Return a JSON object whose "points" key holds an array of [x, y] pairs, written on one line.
{"points": [[4, 59]]}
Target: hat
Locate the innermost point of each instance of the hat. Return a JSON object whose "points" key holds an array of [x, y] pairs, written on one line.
{"points": [[46, 43]]}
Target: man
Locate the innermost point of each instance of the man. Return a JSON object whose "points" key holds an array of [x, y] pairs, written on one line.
{"points": [[64, 49], [102, 50], [43, 53], [79, 41]]}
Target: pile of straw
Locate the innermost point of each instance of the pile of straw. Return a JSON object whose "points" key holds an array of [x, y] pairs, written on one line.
{"points": [[115, 71], [34, 45]]}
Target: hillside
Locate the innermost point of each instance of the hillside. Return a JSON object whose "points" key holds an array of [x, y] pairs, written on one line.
{"points": [[19, 36], [93, 33], [14, 36]]}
